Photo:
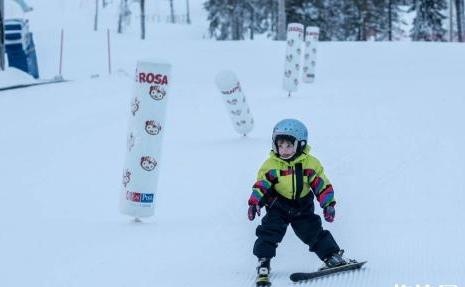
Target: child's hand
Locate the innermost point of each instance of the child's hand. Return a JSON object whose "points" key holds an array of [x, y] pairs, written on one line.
{"points": [[253, 209], [329, 213]]}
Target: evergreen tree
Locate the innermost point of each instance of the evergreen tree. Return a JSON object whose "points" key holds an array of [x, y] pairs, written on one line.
{"points": [[172, 17], [337, 19], [333, 17], [427, 24], [388, 14], [234, 19], [351, 20], [459, 9], [325, 14], [304, 12], [367, 19], [218, 15], [142, 19], [281, 23], [390, 17], [124, 15]]}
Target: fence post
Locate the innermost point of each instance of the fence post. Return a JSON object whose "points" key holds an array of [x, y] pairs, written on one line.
{"points": [[109, 51], [61, 54]]}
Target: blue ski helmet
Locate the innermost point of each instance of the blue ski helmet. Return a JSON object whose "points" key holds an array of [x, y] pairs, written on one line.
{"points": [[293, 130]]}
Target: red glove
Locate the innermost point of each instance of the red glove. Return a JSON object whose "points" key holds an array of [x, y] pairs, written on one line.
{"points": [[253, 210], [329, 212]]}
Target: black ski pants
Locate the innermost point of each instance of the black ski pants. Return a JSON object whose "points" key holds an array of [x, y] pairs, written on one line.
{"points": [[305, 223]]}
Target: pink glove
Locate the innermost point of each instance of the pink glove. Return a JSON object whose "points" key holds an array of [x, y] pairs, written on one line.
{"points": [[253, 210], [329, 212]]}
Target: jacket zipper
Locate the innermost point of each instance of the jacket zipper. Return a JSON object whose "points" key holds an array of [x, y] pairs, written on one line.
{"points": [[293, 189]]}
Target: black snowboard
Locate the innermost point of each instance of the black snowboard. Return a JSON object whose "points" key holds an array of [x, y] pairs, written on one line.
{"points": [[301, 276]]}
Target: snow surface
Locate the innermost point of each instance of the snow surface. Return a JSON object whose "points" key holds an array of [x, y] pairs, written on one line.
{"points": [[12, 77], [385, 119]]}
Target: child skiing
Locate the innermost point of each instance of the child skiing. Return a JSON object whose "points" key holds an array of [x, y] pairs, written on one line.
{"points": [[286, 185]]}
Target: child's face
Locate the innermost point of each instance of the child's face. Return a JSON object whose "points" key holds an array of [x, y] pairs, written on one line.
{"points": [[286, 149]]}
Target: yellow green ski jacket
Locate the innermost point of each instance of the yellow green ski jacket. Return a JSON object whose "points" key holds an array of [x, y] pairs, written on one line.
{"points": [[277, 175]]}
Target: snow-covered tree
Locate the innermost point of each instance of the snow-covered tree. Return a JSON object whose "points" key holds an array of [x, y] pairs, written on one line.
{"points": [[427, 24], [142, 19], [124, 15], [459, 8], [234, 19], [281, 25], [345, 19], [388, 19], [331, 20], [172, 18], [304, 12], [337, 19], [188, 13], [220, 15], [364, 19], [325, 14]]}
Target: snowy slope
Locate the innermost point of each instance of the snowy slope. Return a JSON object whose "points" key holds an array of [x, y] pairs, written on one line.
{"points": [[385, 119]]}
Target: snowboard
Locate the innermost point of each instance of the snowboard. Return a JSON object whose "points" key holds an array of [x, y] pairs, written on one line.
{"points": [[302, 276]]}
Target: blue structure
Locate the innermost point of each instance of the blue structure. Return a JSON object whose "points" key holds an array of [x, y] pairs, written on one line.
{"points": [[19, 46]]}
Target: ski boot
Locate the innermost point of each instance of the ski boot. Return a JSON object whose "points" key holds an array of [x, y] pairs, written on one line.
{"points": [[263, 272], [334, 260]]}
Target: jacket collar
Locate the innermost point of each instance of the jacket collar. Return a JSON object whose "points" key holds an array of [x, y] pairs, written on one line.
{"points": [[294, 161]]}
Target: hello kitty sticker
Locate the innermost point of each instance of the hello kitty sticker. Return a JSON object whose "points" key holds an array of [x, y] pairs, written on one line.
{"points": [[152, 127], [148, 163], [157, 92]]}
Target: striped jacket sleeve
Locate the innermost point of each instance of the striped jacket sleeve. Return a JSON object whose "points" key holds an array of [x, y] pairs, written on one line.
{"points": [[263, 187], [322, 188]]}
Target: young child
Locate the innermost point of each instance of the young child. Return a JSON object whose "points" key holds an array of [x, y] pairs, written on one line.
{"points": [[286, 184]]}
